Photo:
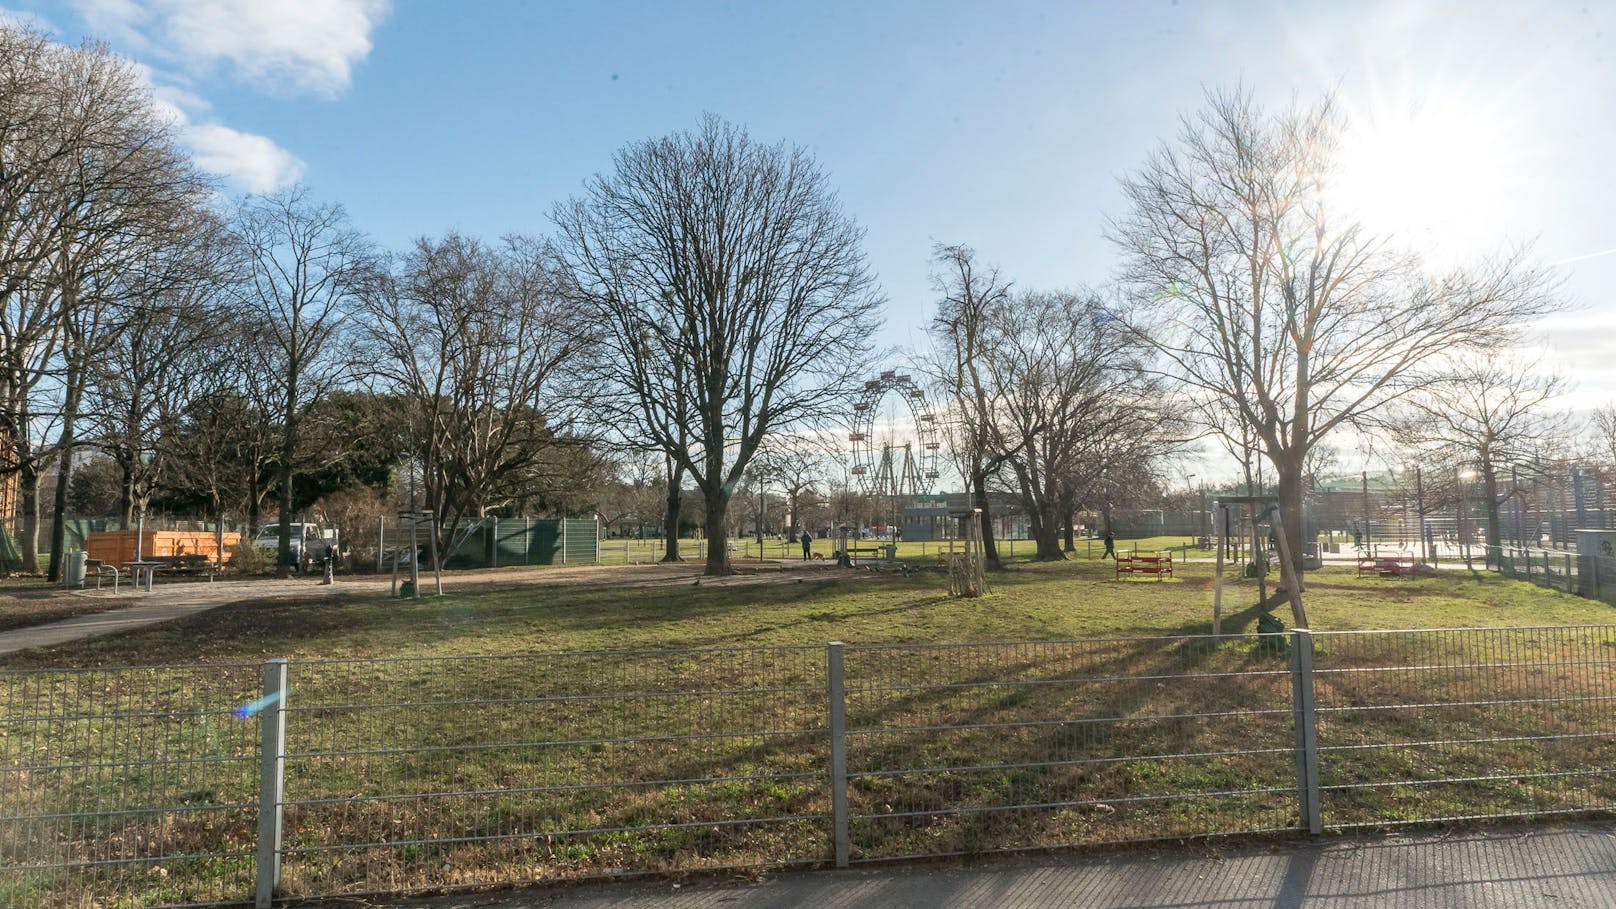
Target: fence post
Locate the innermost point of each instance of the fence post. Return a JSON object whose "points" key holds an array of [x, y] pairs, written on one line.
{"points": [[838, 749], [381, 541], [1568, 573], [563, 540], [271, 782], [1307, 730]]}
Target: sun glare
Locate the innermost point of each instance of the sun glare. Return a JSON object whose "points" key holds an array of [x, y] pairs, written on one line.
{"points": [[1433, 176]]}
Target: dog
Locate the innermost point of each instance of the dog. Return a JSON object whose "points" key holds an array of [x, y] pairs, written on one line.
{"points": [[819, 556]]}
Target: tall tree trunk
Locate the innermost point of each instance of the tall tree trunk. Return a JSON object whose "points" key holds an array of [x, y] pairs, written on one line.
{"points": [[1291, 490], [126, 491], [1489, 491], [255, 511], [979, 495], [1068, 510], [1046, 533], [74, 386], [28, 539], [671, 514], [716, 523], [216, 503], [64, 468], [284, 560]]}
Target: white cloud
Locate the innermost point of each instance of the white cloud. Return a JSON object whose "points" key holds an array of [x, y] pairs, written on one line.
{"points": [[24, 19], [251, 161], [279, 46]]}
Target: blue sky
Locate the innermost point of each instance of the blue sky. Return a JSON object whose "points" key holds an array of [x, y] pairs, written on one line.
{"points": [[1002, 125]]}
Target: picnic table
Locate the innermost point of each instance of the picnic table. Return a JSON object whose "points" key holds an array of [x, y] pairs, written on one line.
{"points": [[1160, 565], [142, 572], [1396, 565]]}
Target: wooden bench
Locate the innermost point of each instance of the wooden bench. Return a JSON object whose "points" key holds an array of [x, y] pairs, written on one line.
{"points": [[1398, 565], [1159, 565]]}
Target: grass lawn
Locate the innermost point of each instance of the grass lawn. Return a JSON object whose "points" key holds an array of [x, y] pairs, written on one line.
{"points": [[668, 759], [1077, 599]]}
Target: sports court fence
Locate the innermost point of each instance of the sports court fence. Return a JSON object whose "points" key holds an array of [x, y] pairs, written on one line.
{"points": [[230, 783]]}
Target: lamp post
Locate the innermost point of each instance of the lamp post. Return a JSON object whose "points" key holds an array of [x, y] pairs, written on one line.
{"points": [[1189, 490]]}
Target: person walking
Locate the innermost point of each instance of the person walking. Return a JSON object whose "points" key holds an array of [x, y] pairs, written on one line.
{"points": [[1110, 545], [807, 545]]}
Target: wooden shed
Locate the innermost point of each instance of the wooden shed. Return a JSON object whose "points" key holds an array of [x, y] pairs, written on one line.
{"points": [[118, 546]]}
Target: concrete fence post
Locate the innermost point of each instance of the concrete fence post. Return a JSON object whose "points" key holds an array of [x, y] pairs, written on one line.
{"points": [[1307, 730], [271, 782], [836, 684]]}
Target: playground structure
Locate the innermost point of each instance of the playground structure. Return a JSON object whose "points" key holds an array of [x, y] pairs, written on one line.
{"points": [[890, 470], [1255, 512]]}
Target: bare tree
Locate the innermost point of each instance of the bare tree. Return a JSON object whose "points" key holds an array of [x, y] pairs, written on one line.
{"points": [[795, 464], [1602, 432], [1490, 412], [1259, 299], [91, 188], [969, 294], [734, 295], [1068, 390], [161, 353], [478, 341], [304, 261]]}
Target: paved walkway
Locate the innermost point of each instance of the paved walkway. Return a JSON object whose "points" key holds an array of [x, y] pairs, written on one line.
{"points": [[164, 603], [1560, 867]]}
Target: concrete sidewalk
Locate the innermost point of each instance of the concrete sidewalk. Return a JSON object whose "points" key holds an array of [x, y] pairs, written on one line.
{"points": [[1518, 868], [165, 603]]}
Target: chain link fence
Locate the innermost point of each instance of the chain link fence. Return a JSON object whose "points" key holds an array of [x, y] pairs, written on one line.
{"points": [[219, 783]]}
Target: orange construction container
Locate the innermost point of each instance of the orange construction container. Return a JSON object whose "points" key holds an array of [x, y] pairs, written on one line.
{"points": [[118, 546]]}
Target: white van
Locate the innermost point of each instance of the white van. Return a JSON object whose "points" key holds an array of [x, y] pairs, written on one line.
{"points": [[310, 543]]}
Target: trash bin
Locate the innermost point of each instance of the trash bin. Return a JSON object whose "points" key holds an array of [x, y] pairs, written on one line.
{"points": [[892, 552], [73, 568]]}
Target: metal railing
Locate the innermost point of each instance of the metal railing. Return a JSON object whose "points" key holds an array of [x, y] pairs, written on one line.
{"points": [[1556, 569], [200, 784]]}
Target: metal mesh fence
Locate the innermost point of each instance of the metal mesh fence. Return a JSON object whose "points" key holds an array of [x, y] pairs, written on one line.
{"points": [[975, 748], [127, 787], [1422, 726], [141, 787], [404, 774]]}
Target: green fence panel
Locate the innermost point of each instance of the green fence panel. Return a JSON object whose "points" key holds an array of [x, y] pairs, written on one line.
{"points": [[582, 541], [544, 543]]}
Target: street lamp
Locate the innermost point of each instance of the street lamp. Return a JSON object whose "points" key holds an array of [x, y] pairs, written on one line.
{"points": [[1189, 490]]}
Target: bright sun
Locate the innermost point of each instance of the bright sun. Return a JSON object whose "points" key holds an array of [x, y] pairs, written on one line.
{"points": [[1433, 175]]}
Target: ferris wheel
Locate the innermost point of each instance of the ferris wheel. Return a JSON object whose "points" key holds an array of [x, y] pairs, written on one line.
{"points": [[888, 465]]}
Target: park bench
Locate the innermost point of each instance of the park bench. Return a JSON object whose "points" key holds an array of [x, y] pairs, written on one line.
{"points": [[1159, 565], [103, 570], [857, 554], [1396, 565], [187, 563]]}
